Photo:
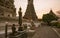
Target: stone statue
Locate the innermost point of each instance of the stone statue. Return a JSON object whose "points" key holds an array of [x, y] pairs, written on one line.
{"points": [[13, 29]]}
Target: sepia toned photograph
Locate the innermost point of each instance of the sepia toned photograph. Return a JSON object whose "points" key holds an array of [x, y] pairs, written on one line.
{"points": [[29, 18]]}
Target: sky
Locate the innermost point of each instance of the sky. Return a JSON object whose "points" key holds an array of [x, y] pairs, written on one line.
{"points": [[41, 6]]}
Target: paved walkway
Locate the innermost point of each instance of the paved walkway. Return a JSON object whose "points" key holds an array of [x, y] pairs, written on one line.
{"points": [[45, 32], [42, 32]]}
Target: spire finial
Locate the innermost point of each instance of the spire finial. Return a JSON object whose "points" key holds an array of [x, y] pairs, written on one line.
{"points": [[20, 9]]}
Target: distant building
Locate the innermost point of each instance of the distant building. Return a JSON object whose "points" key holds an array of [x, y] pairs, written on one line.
{"points": [[52, 13], [51, 16], [7, 8], [30, 11]]}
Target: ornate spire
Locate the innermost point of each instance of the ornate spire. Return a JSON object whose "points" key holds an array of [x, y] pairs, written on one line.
{"points": [[20, 9], [30, 1], [51, 12], [30, 11]]}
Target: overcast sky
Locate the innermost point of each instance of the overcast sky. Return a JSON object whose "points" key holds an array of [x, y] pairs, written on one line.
{"points": [[41, 6]]}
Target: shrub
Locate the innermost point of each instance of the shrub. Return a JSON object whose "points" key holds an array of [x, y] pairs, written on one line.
{"points": [[58, 25], [54, 24]]}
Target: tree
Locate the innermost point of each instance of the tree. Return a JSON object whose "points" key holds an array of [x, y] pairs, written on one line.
{"points": [[49, 17]]}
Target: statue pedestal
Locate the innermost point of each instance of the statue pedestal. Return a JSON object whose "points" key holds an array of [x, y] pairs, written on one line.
{"points": [[20, 34]]}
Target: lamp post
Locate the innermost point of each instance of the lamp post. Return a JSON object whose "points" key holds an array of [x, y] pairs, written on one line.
{"points": [[6, 29]]}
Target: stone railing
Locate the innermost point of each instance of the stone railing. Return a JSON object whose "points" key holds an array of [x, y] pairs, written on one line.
{"points": [[15, 33], [21, 34]]}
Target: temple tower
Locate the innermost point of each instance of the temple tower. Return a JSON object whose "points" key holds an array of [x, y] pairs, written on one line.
{"points": [[7, 8], [30, 11]]}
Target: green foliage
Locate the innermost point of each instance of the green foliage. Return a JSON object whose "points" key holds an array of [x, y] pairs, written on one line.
{"points": [[54, 24], [49, 17], [58, 25]]}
